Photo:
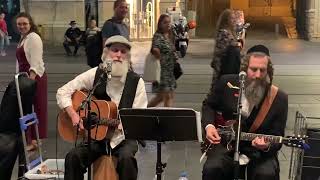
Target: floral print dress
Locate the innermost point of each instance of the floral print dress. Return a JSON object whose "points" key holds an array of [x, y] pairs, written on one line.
{"points": [[167, 61]]}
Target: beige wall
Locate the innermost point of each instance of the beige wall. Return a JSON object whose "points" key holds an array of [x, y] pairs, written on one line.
{"points": [[55, 15], [313, 20]]}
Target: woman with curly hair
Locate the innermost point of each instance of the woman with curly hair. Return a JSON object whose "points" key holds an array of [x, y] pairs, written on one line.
{"points": [[226, 56], [29, 56]]}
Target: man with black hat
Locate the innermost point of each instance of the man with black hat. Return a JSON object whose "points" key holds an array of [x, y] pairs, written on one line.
{"points": [[71, 38], [126, 89], [264, 111]]}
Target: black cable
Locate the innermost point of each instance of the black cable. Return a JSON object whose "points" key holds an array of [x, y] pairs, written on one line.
{"points": [[57, 147]]}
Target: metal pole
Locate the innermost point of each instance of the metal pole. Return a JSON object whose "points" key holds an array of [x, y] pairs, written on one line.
{"points": [[236, 152]]}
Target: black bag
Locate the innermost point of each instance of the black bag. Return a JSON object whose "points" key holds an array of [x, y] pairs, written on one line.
{"points": [[94, 49], [177, 71], [9, 109]]}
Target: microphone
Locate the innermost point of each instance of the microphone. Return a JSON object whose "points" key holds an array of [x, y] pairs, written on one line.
{"points": [[241, 27], [106, 67], [242, 76]]}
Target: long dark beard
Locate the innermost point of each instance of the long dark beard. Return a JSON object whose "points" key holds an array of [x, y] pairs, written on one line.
{"points": [[255, 89]]}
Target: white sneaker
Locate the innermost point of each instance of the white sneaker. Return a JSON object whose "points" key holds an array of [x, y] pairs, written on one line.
{"points": [[3, 53]]}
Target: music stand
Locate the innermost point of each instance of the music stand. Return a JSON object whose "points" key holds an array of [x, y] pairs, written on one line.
{"points": [[161, 124]]}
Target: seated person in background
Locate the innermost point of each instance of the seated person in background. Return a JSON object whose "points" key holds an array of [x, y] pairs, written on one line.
{"points": [[71, 38], [127, 90], [262, 155]]}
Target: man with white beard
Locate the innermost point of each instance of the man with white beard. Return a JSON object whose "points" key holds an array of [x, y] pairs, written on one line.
{"points": [[260, 100], [126, 89]]}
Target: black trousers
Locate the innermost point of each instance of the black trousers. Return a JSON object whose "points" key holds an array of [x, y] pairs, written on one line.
{"points": [[10, 147], [219, 166], [66, 45], [78, 159]]}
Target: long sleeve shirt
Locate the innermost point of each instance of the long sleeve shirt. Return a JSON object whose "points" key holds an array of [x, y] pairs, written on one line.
{"points": [[33, 48], [3, 26], [114, 90]]}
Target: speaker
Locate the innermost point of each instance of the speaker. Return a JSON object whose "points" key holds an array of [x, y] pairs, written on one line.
{"points": [[311, 158]]}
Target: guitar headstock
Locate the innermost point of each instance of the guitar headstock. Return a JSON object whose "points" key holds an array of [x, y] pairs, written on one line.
{"points": [[296, 141]]}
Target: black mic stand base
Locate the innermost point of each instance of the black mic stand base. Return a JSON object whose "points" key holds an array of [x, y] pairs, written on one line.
{"points": [[159, 166]]}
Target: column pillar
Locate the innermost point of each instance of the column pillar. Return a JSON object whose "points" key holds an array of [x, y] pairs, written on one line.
{"points": [[312, 20]]}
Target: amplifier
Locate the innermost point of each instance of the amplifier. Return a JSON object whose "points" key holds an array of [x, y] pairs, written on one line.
{"points": [[311, 158]]}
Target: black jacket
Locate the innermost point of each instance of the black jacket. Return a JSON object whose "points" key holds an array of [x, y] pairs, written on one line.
{"points": [[224, 99], [9, 109]]}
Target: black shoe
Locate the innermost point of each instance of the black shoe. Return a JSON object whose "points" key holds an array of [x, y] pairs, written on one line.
{"points": [[74, 54]]}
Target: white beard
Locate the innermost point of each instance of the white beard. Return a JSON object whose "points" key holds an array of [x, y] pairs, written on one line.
{"points": [[119, 69]]}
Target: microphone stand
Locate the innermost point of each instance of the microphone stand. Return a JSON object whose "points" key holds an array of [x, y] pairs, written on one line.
{"points": [[86, 103], [238, 133]]}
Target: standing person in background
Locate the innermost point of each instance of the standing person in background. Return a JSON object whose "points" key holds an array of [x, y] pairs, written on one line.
{"points": [[29, 56], [4, 39], [226, 56], [163, 49], [115, 25]]}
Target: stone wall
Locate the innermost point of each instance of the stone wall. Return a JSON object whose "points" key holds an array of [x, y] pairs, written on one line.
{"points": [[313, 20], [54, 16]]}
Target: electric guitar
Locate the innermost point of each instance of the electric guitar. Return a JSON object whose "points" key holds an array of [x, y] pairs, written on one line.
{"points": [[103, 114], [228, 134]]}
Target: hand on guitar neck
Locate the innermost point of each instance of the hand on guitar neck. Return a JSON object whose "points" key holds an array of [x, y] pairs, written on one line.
{"points": [[261, 143]]}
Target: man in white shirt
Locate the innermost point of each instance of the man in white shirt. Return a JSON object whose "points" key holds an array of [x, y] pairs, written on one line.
{"points": [[126, 89]]}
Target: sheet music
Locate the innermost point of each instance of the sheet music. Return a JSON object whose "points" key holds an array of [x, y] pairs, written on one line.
{"points": [[198, 118], [197, 115]]}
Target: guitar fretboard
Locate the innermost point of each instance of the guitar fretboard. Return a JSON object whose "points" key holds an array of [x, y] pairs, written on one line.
{"points": [[269, 138]]}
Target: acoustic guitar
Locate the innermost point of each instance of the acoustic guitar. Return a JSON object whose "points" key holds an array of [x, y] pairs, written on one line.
{"points": [[105, 113]]}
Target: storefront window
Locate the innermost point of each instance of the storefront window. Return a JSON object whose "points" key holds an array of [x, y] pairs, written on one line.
{"points": [[141, 18]]}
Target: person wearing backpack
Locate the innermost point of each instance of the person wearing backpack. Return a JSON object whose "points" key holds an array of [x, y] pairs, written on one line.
{"points": [[111, 27], [115, 25]]}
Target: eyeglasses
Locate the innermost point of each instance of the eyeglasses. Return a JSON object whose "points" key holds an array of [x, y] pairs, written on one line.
{"points": [[115, 50], [22, 24]]}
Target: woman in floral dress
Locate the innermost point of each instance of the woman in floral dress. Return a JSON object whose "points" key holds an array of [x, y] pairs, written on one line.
{"points": [[163, 49]]}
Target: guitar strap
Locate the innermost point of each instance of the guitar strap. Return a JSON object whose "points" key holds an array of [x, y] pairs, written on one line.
{"points": [[264, 108]]}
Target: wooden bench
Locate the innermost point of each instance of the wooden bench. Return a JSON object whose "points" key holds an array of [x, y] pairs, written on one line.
{"points": [[104, 168]]}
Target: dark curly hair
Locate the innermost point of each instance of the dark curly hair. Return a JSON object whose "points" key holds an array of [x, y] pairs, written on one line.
{"points": [[225, 21], [33, 26], [245, 63]]}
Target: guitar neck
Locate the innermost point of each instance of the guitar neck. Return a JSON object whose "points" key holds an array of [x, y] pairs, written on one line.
{"points": [[269, 138], [108, 122]]}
